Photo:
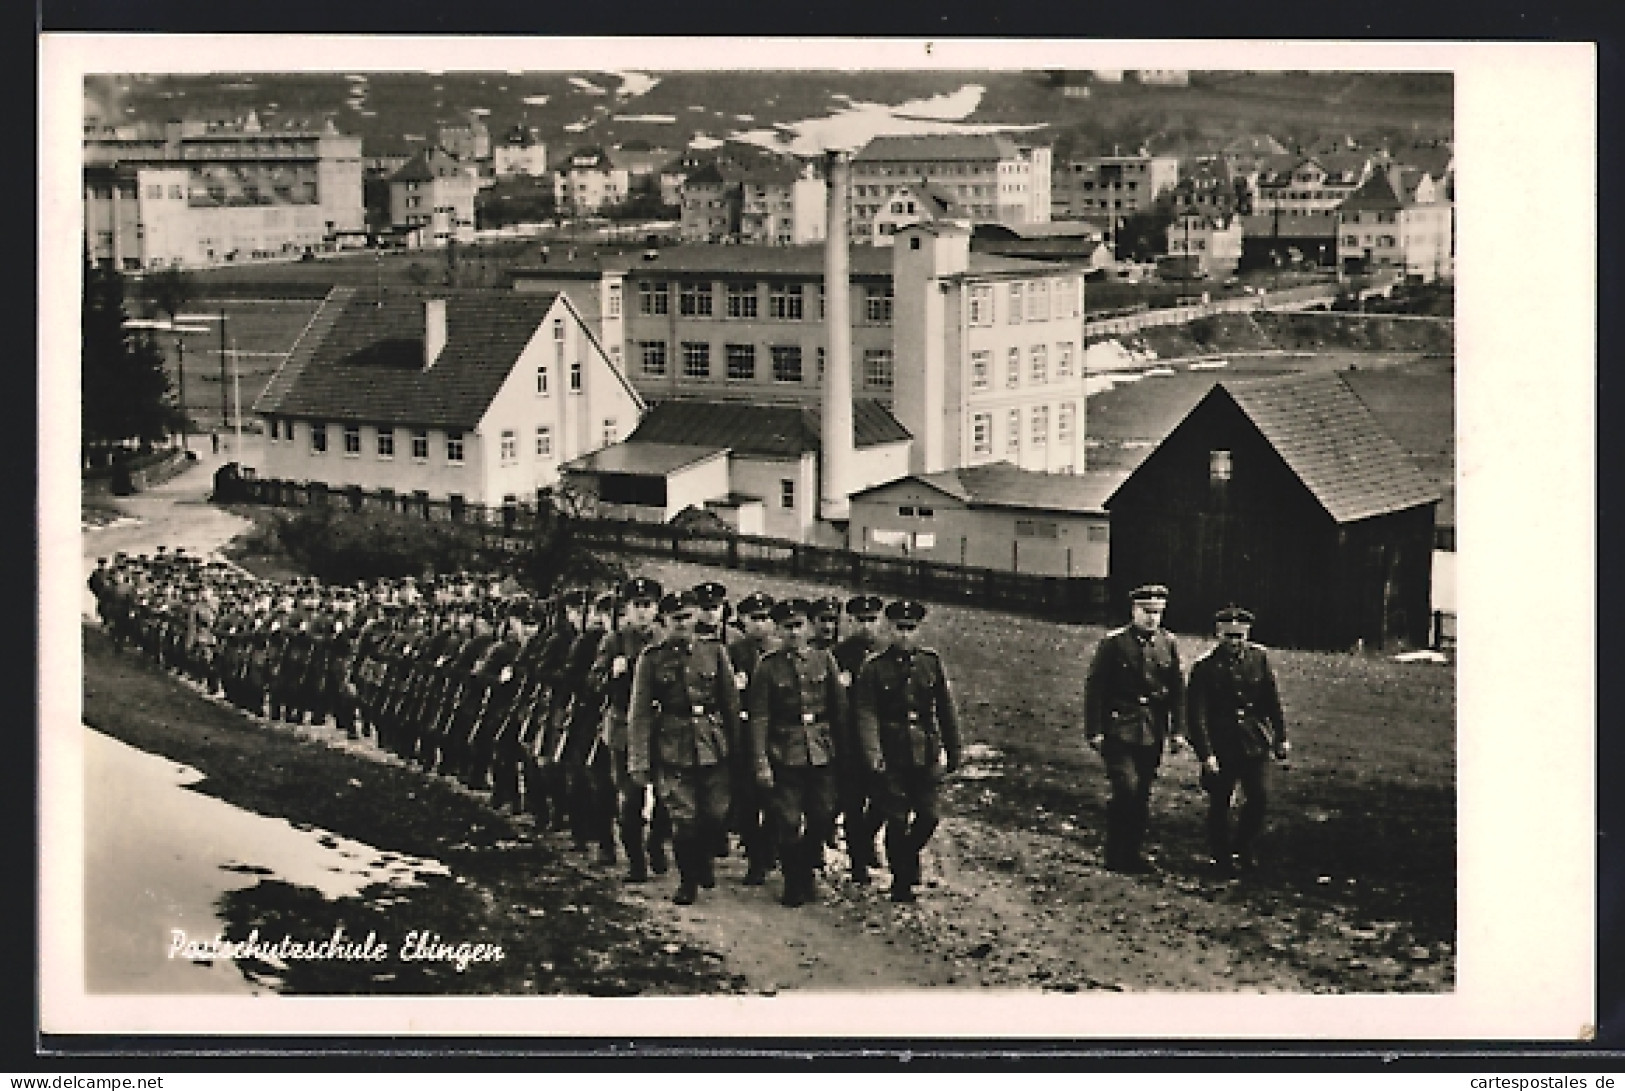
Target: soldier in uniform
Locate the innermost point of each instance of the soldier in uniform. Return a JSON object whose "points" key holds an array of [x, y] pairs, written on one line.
{"points": [[466, 696], [710, 610], [1233, 710], [684, 717], [611, 678], [506, 717], [590, 822], [551, 804], [860, 816], [749, 805], [795, 700], [343, 699], [826, 623], [492, 698], [1134, 704], [908, 734]]}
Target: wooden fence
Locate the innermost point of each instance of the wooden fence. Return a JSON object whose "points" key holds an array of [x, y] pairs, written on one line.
{"points": [[1076, 599]]}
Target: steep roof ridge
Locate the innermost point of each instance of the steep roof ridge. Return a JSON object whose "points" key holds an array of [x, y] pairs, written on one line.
{"points": [[304, 348]]}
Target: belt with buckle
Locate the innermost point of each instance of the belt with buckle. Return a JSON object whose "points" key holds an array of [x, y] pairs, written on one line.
{"points": [[808, 718], [699, 710]]}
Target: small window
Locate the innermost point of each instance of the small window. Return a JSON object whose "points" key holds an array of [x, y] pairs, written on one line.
{"points": [[420, 445], [877, 369], [273, 429], [1012, 432], [1040, 425], [576, 375], [654, 297], [787, 493], [1099, 532], [1012, 369], [1063, 360], [510, 446], [906, 511], [558, 329], [787, 363], [697, 359], [318, 438], [742, 301], [544, 441], [386, 442], [615, 300], [914, 242], [981, 430], [654, 357], [741, 361], [694, 299], [925, 513], [611, 431], [1015, 304], [1219, 466], [877, 304], [352, 439], [454, 447], [541, 379], [1040, 363], [784, 301], [981, 366], [981, 305]]}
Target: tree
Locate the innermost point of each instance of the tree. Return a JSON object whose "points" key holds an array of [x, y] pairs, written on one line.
{"points": [[559, 557], [125, 391], [169, 291]]}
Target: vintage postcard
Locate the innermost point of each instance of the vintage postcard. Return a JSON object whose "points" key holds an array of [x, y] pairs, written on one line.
{"points": [[837, 538]]}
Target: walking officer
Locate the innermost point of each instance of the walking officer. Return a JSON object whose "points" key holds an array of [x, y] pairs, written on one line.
{"points": [[750, 807], [908, 734], [860, 816], [1134, 704], [1233, 709], [795, 700], [611, 679], [684, 717]]}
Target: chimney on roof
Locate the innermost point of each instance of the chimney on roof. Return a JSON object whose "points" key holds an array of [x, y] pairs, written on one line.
{"points": [[836, 441], [434, 331]]}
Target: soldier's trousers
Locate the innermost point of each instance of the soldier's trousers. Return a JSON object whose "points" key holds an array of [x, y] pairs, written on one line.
{"points": [[637, 836], [753, 820], [1252, 774], [802, 805], [861, 813], [1131, 770], [592, 797], [907, 800], [696, 798]]}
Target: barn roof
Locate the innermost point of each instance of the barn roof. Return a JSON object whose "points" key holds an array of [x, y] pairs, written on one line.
{"points": [[644, 459], [361, 357], [780, 431], [1006, 485], [1333, 443]]}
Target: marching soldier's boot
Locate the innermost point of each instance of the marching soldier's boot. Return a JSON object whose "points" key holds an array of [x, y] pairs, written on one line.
{"points": [[797, 877], [688, 881], [657, 856], [707, 869]]}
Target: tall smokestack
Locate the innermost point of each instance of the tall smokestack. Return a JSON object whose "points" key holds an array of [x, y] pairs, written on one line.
{"points": [[834, 502]]}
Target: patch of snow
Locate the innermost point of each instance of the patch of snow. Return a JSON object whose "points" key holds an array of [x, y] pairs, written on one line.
{"points": [[649, 119], [587, 86], [954, 106], [634, 84], [701, 142], [577, 126], [1423, 656], [1207, 365], [745, 117], [479, 111], [535, 100], [355, 78], [1160, 371]]}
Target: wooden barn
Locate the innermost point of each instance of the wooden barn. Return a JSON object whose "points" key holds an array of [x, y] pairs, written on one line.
{"points": [[1285, 495]]}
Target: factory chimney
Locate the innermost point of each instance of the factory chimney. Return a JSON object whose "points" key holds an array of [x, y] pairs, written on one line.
{"points": [[434, 331], [835, 472]]}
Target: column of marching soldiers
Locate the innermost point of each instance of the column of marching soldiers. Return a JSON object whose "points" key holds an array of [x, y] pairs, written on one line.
{"points": [[651, 725]]}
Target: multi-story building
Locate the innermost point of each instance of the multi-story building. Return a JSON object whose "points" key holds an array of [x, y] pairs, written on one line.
{"points": [[1212, 187], [1202, 244], [991, 177], [433, 195], [195, 194], [762, 200], [1103, 187], [989, 355], [1399, 221], [1307, 187], [468, 140], [520, 153], [471, 396], [589, 181], [915, 202]]}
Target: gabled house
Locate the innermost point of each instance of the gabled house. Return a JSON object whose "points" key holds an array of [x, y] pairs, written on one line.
{"points": [[433, 195], [916, 202], [1285, 495], [471, 396], [1396, 221], [588, 181]]}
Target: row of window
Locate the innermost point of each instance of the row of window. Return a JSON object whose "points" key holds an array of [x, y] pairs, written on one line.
{"points": [[1030, 301], [981, 429], [385, 443], [740, 363], [1038, 371], [786, 300]]}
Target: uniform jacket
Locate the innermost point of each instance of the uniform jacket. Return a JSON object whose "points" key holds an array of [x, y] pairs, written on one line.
{"points": [[1135, 691], [796, 699], [616, 691], [1233, 707], [905, 710], [684, 707]]}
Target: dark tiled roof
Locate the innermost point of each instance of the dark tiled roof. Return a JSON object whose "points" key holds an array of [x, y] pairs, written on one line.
{"points": [[642, 458], [1376, 195], [1266, 225], [1005, 485], [807, 260], [983, 264], [783, 431], [361, 358], [415, 170], [887, 149], [708, 175], [1333, 443]]}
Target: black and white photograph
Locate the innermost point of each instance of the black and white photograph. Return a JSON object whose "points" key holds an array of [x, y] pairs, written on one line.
{"points": [[721, 538]]}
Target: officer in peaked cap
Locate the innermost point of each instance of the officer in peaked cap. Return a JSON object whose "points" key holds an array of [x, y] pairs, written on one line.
{"points": [[611, 679], [795, 700], [684, 724], [750, 818], [908, 734], [1134, 705], [710, 600], [1233, 709], [825, 614], [859, 811]]}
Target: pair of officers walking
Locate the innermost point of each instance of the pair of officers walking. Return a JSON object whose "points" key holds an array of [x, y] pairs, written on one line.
{"points": [[784, 730], [1137, 700]]}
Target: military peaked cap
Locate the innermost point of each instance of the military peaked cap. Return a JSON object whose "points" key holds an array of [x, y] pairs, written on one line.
{"points": [[640, 587], [676, 601], [828, 606], [709, 594], [864, 606], [1148, 592], [1234, 613], [574, 598], [906, 610], [605, 602], [755, 604], [785, 609]]}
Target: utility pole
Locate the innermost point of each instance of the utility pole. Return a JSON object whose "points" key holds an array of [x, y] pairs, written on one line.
{"points": [[180, 356], [222, 365]]}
